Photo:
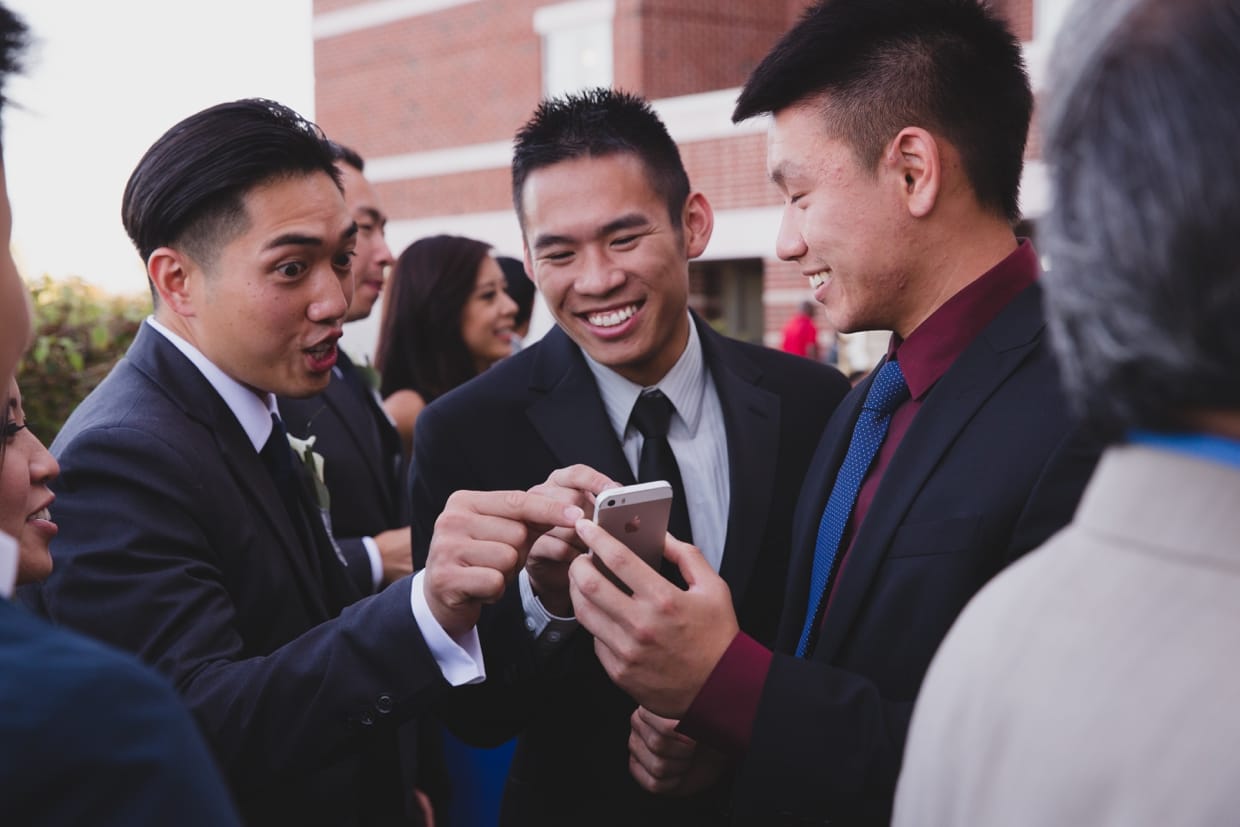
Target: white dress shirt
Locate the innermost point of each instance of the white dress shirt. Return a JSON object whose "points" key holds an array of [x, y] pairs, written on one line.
{"points": [[698, 440], [8, 564], [460, 660]]}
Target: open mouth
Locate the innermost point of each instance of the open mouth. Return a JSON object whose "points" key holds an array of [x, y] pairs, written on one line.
{"points": [[817, 280], [323, 349], [611, 318], [43, 513]]}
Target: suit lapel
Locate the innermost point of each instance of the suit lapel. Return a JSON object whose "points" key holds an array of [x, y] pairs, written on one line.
{"points": [[751, 421], [168, 368], [969, 382], [356, 414], [568, 413]]}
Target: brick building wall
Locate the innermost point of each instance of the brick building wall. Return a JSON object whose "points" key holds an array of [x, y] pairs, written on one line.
{"points": [[431, 92]]}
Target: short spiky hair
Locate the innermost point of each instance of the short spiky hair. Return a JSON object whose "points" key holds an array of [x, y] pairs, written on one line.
{"points": [[876, 66], [597, 123]]}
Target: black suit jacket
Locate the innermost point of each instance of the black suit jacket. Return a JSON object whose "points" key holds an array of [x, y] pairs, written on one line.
{"points": [[538, 411], [991, 466], [362, 463], [174, 544]]}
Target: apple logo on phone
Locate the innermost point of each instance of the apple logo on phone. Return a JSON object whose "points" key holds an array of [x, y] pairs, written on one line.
{"points": [[633, 525]]}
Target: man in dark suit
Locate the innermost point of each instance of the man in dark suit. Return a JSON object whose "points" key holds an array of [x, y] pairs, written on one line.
{"points": [[189, 531], [87, 734], [360, 447], [610, 225], [897, 142]]}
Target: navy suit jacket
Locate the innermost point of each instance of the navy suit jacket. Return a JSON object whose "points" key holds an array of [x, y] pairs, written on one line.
{"points": [[362, 465], [538, 411], [90, 736], [990, 467], [174, 544]]}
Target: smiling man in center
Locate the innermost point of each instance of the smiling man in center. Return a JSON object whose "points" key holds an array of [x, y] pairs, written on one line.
{"points": [[610, 224]]}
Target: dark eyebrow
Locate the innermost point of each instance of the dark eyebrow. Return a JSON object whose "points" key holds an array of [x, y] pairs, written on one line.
{"points": [[373, 214], [624, 222], [299, 240]]}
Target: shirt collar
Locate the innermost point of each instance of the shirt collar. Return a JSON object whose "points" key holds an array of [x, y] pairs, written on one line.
{"points": [[251, 410], [684, 385], [8, 564], [1205, 446], [937, 342]]}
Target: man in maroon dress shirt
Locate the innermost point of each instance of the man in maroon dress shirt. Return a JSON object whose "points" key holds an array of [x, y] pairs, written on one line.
{"points": [[897, 141]]}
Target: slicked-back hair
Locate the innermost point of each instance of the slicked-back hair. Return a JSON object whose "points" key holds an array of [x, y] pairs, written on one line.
{"points": [[874, 67], [189, 188], [597, 123], [1143, 291], [13, 40], [421, 346], [346, 155]]}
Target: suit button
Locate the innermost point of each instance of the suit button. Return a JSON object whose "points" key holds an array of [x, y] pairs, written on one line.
{"points": [[384, 704], [366, 719]]}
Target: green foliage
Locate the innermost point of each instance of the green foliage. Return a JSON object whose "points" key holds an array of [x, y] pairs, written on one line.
{"points": [[80, 333]]}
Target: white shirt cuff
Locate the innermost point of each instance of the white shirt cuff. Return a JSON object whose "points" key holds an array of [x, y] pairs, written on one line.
{"points": [[459, 659], [376, 560], [546, 628]]}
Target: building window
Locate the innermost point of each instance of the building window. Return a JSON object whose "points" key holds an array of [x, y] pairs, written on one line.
{"points": [[728, 294], [576, 45]]}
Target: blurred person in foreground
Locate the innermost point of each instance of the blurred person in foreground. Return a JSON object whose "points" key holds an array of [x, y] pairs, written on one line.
{"points": [[87, 734], [610, 224], [191, 534], [897, 141], [447, 318], [1095, 681]]}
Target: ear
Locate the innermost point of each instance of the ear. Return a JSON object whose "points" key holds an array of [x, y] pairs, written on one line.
{"points": [[914, 158], [175, 276], [697, 223]]}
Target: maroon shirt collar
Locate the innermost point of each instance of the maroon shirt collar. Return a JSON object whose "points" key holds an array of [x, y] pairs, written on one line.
{"points": [[931, 349]]}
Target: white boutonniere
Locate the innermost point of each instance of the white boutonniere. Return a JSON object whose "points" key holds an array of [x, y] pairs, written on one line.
{"points": [[313, 460]]}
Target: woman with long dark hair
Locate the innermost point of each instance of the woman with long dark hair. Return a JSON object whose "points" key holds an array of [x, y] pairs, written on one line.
{"points": [[446, 318]]}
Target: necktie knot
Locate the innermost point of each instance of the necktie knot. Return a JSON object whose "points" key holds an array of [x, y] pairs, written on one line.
{"points": [[889, 390], [652, 414]]}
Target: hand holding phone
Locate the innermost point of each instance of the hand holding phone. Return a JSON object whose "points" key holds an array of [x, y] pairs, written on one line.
{"points": [[636, 515]]}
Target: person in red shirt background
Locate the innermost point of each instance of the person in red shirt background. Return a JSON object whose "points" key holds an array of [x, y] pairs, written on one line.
{"points": [[801, 334]]}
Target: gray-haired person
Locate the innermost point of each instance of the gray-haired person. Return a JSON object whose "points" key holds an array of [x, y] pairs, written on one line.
{"points": [[1095, 681]]}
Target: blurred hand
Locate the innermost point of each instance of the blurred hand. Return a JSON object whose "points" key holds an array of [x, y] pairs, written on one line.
{"points": [[664, 761], [553, 552], [659, 644], [480, 543], [396, 551]]}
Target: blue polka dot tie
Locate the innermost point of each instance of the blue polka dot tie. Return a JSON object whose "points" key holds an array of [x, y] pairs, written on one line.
{"points": [[886, 394]]}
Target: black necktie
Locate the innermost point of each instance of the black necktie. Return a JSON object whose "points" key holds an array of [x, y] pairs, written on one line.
{"points": [[290, 481], [652, 415], [277, 455]]}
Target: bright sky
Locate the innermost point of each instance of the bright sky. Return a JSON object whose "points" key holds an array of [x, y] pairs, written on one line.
{"points": [[103, 81]]}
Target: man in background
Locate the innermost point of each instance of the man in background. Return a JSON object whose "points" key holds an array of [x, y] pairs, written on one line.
{"points": [[360, 447], [363, 469], [1095, 682], [897, 142]]}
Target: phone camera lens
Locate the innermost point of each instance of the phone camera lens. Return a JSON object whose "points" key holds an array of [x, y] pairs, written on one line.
{"points": [[610, 503]]}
